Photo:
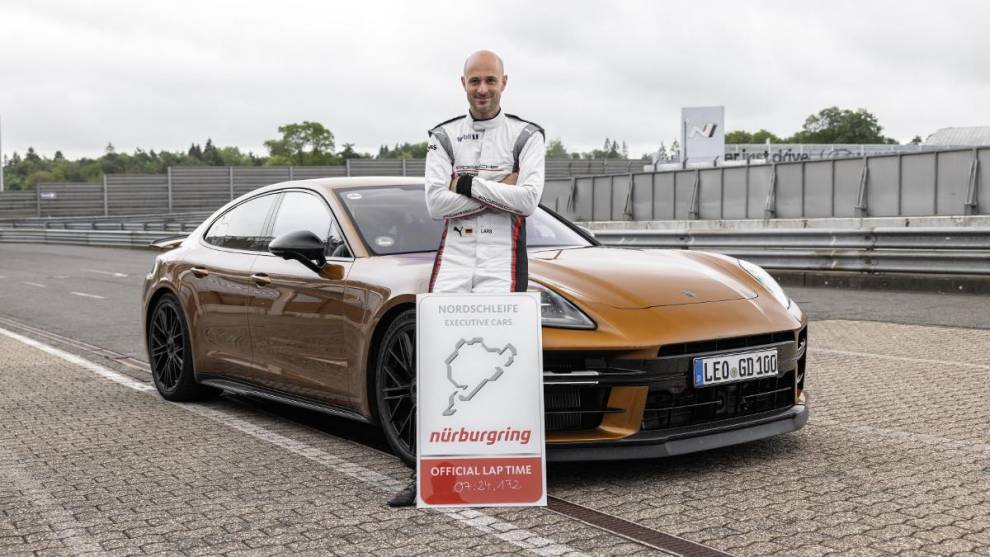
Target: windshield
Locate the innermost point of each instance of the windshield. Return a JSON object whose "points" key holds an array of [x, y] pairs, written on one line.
{"points": [[394, 219]]}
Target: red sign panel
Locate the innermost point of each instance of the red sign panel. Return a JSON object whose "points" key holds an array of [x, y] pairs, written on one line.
{"points": [[481, 481]]}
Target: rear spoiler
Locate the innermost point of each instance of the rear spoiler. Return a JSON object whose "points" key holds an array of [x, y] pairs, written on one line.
{"points": [[168, 243]]}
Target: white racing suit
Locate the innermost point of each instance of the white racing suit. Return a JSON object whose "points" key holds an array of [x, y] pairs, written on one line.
{"points": [[483, 248]]}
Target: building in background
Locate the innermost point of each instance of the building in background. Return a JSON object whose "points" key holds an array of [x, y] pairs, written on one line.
{"points": [[967, 136]]}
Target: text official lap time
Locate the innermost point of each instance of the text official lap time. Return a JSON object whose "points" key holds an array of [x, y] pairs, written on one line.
{"points": [[480, 433]]}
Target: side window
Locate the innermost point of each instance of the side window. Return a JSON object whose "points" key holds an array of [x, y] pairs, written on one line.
{"points": [[241, 227], [304, 211]]}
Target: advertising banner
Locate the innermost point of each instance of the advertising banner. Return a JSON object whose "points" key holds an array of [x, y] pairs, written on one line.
{"points": [[479, 400]]}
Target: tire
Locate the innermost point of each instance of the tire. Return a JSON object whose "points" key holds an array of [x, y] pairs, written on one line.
{"points": [[395, 385], [170, 354]]}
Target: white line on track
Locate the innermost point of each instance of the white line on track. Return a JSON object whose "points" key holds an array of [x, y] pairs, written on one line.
{"points": [[106, 373], [480, 521], [85, 295], [899, 358], [112, 274], [38, 284]]}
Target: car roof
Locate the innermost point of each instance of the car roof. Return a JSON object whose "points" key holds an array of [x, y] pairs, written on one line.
{"points": [[350, 182]]}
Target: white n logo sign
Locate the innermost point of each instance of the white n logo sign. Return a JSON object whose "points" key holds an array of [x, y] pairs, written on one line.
{"points": [[707, 131]]}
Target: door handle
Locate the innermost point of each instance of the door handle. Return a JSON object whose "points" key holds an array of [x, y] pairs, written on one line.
{"points": [[200, 271], [261, 279]]}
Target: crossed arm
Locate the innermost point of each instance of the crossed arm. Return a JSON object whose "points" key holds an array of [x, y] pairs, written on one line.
{"points": [[452, 196]]}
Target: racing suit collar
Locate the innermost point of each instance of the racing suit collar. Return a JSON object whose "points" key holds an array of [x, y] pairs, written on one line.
{"points": [[491, 123]]}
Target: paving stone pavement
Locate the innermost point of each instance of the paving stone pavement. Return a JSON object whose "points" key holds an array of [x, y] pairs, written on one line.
{"points": [[88, 466], [895, 460]]}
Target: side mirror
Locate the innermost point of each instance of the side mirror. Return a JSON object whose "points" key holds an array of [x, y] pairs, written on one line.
{"points": [[303, 246]]}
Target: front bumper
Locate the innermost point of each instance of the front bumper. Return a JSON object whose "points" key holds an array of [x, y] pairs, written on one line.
{"points": [[653, 444]]}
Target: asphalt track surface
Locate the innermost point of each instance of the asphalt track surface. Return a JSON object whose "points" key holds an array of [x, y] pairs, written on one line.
{"points": [[894, 460]]}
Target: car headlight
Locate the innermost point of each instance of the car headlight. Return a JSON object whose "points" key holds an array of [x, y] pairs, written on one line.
{"points": [[768, 282], [558, 312]]}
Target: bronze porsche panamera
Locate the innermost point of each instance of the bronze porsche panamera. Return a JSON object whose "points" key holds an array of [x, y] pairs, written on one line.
{"points": [[303, 292]]}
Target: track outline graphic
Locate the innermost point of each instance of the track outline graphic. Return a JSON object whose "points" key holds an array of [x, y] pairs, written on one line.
{"points": [[458, 387]]}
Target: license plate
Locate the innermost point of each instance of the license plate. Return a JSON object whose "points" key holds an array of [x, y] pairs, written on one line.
{"points": [[728, 368]]}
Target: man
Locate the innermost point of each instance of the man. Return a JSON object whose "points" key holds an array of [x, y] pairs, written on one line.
{"points": [[484, 176]]}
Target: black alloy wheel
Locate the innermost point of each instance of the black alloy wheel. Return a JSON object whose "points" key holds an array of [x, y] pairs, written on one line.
{"points": [[171, 356], [395, 385]]}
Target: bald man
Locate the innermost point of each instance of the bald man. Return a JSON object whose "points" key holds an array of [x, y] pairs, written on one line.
{"points": [[484, 176]]}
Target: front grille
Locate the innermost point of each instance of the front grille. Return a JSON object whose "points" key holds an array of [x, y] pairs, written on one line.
{"points": [[575, 408], [721, 344], [693, 406], [672, 400], [565, 362]]}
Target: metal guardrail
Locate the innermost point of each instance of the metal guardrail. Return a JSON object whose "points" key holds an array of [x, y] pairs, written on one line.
{"points": [[109, 226], [101, 238], [878, 238], [184, 222], [879, 250]]}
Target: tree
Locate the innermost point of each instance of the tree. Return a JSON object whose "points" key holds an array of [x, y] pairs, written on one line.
{"points": [[744, 137], [738, 136], [26, 173], [37, 177], [556, 150], [308, 143], [835, 125], [405, 151], [610, 150], [762, 136], [350, 153], [916, 140], [211, 155], [232, 156], [662, 154]]}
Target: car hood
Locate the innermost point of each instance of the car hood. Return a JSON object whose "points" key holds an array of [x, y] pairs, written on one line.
{"points": [[634, 279]]}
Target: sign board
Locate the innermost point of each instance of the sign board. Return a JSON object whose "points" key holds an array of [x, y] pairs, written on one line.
{"points": [[703, 133], [479, 400], [48, 195]]}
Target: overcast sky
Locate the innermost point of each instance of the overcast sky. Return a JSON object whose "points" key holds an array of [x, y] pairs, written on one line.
{"points": [[160, 75]]}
